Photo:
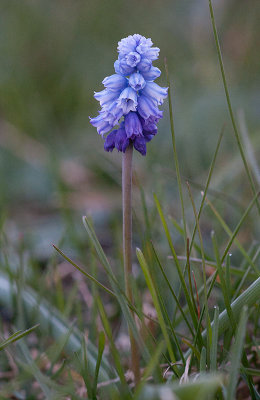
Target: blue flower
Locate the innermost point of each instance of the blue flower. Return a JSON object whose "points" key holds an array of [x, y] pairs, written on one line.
{"points": [[106, 97], [132, 59], [122, 141], [140, 145], [144, 65], [131, 97], [152, 74], [137, 81], [123, 68], [147, 107], [155, 92], [127, 100], [115, 82], [109, 144], [139, 44], [133, 126]]}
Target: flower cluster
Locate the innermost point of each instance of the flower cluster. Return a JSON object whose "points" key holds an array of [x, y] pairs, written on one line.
{"points": [[132, 96]]}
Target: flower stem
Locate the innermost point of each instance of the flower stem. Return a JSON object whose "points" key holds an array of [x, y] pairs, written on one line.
{"points": [[127, 158]]}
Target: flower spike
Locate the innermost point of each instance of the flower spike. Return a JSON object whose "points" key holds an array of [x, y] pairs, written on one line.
{"points": [[131, 97]]}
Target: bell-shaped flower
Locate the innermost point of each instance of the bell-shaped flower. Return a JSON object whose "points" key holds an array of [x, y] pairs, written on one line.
{"points": [[115, 82], [106, 97], [146, 107], [127, 100], [152, 74], [122, 141], [109, 144], [127, 45], [132, 59], [124, 68], [155, 92], [103, 126], [137, 81], [140, 145], [151, 53], [133, 126], [144, 65]]}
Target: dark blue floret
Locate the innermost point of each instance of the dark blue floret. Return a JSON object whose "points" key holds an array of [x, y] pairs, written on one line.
{"points": [[109, 144], [133, 126], [140, 145], [122, 141]]}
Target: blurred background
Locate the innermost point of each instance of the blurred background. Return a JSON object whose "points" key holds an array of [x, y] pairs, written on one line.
{"points": [[55, 53], [53, 170]]}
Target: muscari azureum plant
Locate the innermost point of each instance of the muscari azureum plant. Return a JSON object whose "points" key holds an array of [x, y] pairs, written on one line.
{"points": [[130, 103]]}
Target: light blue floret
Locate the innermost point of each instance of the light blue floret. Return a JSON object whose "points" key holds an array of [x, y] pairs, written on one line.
{"points": [[127, 100], [155, 92], [137, 81], [147, 107], [106, 97], [132, 59], [152, 74], [115, 82]]}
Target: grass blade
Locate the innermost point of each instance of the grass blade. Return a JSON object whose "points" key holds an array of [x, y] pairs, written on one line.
{"points": [[251, 181], [17, 336], [101, 346], [236, 355], [203, 271], [175, 153], [223, 282], [229, 232], [113, 348], [214, 343], [231, 240], [83, 271], [248, 146], [203, 359], [150, 367], [181, 276], [51, 321], [124, 302], [203, 388], [248, 298], [205, 191], [172, 291], [152, 290]]}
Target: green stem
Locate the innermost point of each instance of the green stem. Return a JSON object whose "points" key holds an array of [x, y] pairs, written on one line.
{"points": [[127, 159]]}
